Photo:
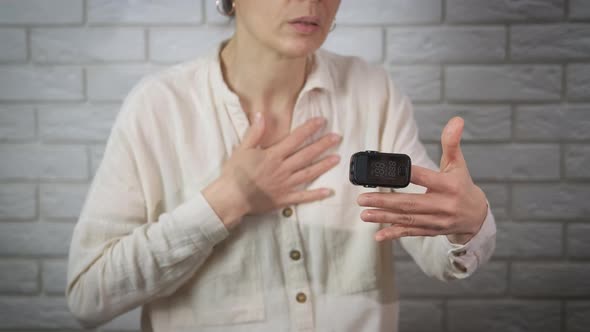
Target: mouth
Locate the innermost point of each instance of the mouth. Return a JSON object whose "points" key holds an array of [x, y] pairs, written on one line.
{"points": [[306, 25], [307, 20]]}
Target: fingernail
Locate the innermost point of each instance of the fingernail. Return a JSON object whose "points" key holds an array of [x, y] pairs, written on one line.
{"points": [[365, 216], [327, 192], [335, 137], [379, 237]]}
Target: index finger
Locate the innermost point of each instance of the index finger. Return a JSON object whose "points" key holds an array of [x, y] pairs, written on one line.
{"points": [[290, 143]]}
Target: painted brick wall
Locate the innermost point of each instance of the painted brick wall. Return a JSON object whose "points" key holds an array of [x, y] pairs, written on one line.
{"points": [[517, 71]]}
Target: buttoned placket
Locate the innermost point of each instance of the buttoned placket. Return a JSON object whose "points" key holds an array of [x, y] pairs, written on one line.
{"points": [[296, 277], [297, 280], [297, 283]]}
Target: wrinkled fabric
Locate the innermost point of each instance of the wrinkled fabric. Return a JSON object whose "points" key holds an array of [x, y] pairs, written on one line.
{"points": [[147, 237]]}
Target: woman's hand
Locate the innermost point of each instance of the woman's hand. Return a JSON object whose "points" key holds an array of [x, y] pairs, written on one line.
{"points": [[256, 180], [452, 205]]}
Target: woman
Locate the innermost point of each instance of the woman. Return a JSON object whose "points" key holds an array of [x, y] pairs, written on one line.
{"points": [[222, 203]]}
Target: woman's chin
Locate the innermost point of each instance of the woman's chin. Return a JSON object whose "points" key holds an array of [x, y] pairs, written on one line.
{"points": [[300, 47]]}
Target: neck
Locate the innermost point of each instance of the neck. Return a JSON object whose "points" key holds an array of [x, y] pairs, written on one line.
{"points": [[264, 80]]}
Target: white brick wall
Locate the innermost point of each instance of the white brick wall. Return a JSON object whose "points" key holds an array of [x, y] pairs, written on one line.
{"points": [[421, 83], [14, 45], [483, 11], [84, 45], [33, 12], [144, 12], [18, 201], [366, 42], [385, 12], [502, 83], [170, 45], [113, 82], [518, 72], [16, 123], [446, 44], [578, 82], [36, 83]]}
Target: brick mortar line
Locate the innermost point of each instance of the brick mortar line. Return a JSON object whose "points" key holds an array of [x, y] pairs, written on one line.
{"points": [[205, 17], [471, 142], [497, 63], [448, 64], [37, 200], [53, 103], [445, 315], [146, 45], [85, 12], [564, 77], [562, 161], [47, 181], [508, 48], [501, 104], [40, 278], [443, 84], [442, 104], [85, 84], [97, 63], [88, 165], [563, 315], [559, 260], [565, 241], [580, 220], [29, 57], [385, 52], [493, 298], [19, 62], [172, 26], [401, 25]]}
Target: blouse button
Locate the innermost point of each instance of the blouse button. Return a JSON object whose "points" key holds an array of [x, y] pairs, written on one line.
{"points": [[301, 297], [295, 255], [460, 266], [287, 212], [460, 253]]}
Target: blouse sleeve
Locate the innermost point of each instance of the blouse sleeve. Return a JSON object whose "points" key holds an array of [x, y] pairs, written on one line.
{"points": [[118, 260], [436, 256]]}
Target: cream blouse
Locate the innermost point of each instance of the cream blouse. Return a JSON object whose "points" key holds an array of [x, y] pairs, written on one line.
{"points": [[147, 237]]}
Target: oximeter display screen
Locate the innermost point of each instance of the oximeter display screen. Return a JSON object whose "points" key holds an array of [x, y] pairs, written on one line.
{"points": [[384, 168], [377, 169]]}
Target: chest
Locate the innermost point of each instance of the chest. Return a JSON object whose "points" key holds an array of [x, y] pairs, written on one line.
{"points": [[276, 129]]}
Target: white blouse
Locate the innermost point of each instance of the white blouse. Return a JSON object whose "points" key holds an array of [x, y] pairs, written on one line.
{"points": [[147, 237]]}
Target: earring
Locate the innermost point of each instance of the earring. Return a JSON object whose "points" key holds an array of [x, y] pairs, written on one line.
{"points": [[333, 25], [221, 10]]}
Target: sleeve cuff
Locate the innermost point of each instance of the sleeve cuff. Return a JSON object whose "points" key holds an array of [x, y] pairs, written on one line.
{"points": [[464, 259], [199, 220]]}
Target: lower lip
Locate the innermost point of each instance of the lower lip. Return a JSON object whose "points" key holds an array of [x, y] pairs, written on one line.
{"points": [[305, 28]]}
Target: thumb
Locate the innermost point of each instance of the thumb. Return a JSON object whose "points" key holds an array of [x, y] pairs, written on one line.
{"points": [[452, 156], [255, 131]]}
